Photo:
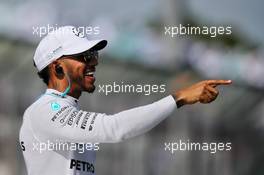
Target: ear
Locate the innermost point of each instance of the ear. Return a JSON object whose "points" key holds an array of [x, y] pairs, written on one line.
{"points": [[53, 66], [57, 69]]}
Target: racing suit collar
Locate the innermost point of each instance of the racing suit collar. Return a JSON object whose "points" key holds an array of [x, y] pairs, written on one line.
{"points": [[59, 94]]}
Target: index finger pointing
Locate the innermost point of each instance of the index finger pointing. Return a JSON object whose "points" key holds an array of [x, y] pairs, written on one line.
{"points": [[219, 82]]}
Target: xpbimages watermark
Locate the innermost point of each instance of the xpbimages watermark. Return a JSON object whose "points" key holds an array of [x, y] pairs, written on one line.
{"points": [[60, 145], [212, 31], [122, 87], [211, 147], [84, 30]]}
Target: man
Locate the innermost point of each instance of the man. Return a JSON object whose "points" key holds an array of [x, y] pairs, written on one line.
{"points": [[66, 62]]}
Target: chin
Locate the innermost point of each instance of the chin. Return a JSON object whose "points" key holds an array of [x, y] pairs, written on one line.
{"points": [[90, 89]]}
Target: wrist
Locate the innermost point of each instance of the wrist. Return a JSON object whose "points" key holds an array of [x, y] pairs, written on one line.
{"points": [[178, 99]]}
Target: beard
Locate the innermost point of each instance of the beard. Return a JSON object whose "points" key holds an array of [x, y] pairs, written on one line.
{"points": [[90, 89], [79, 82], [80, 85]]}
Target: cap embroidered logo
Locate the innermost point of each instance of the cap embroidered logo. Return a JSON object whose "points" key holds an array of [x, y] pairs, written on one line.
{"points": [[77, 33]]}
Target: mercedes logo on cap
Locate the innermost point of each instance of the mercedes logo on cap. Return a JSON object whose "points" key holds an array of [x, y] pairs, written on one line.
{"points": [[78, 33]]}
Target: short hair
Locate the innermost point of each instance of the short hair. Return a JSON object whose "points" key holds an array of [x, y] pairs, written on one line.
{"points": [[44, 74]]}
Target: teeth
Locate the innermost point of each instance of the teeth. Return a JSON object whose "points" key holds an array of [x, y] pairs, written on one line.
{"points": [[89, 73]]}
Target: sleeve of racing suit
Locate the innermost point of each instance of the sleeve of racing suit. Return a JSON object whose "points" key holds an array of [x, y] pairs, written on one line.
{"points": [[73, 125]]}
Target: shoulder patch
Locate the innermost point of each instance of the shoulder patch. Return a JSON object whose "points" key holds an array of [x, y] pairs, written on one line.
{"points": [[55, 106]]}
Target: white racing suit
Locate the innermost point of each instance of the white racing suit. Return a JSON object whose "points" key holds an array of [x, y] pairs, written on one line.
{"points": [[54, 119]]}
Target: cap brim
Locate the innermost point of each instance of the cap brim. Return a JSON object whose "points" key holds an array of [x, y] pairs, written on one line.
{"points": [[99, 44], [85, 45]]}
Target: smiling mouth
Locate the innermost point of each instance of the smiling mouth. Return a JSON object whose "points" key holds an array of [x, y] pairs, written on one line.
{"points": [[89, 72]]}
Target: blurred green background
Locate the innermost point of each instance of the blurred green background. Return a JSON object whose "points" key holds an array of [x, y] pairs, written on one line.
{"points": [[140, 53]]}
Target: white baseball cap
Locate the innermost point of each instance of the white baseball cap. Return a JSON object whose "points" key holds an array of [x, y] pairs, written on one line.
{"points": [[65, 40]]}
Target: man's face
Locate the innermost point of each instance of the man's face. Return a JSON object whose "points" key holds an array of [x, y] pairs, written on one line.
{"points": [[81, 72]]}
